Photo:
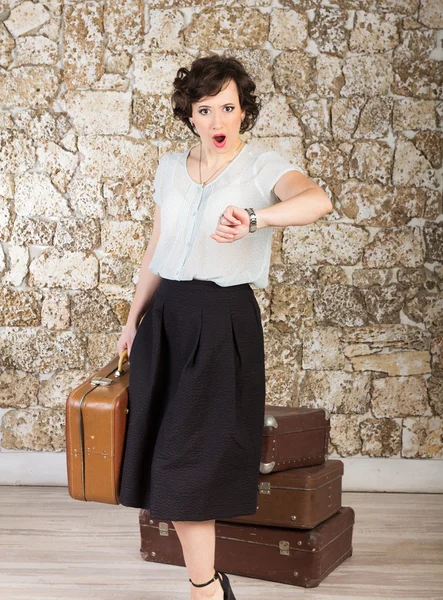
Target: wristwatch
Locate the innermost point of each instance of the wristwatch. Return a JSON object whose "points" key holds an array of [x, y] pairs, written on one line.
{"points": [[252, 220]]}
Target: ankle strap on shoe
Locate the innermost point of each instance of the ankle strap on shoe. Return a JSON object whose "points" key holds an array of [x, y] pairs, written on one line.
{"points": [[216, 576]]}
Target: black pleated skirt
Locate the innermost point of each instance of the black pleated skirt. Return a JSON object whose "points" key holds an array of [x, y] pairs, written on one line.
{"points": [[196, 403]]}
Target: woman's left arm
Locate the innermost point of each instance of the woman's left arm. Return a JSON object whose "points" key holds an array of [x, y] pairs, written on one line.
{"points": [[302, 202]]}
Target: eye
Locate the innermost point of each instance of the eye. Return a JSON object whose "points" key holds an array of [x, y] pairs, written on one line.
{"points": [[200, 111]]}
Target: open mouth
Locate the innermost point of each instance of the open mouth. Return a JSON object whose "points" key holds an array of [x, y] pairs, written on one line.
{"points": [[219, 138]]}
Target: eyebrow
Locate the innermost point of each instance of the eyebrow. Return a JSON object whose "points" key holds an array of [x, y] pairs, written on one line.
{"points": [[206, 106]]}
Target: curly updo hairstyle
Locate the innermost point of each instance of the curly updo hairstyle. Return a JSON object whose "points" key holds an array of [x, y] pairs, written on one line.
{"points": [[207, 77]]}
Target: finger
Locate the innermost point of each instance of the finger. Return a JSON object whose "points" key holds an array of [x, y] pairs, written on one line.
{"points": [[218, 238], [226, 228], [227, 234], [232, 221], [230, 218], [235, 220], [224, 234]]}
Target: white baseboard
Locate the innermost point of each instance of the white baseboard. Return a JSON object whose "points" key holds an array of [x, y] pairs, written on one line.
{"points": [[361, 474]]}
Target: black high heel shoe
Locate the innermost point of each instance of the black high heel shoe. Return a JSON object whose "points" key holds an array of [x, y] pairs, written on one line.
{"points": [[228, 594]]}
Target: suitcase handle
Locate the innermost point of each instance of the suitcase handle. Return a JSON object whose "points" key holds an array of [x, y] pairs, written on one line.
{"points": [[123, 356]]}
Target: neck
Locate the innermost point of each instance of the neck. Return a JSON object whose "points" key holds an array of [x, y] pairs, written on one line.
{"points": [[212, 158]]}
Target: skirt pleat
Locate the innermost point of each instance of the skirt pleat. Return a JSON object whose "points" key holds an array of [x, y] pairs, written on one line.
{"points": [[196, 404]]}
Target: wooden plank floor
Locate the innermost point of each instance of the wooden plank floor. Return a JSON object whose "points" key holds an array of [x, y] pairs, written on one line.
{"points": [[52, 546]]}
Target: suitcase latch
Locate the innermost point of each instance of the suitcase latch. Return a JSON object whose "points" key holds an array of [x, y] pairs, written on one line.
{"points": [[265, 487], [101, 381], [163, 528], [284, 547]]}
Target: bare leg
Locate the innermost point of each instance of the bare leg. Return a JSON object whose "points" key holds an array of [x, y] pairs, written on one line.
{"points": [[197, 539]]}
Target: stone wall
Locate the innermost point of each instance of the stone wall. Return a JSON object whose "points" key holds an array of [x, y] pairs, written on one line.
{"points": [[353, 314]]}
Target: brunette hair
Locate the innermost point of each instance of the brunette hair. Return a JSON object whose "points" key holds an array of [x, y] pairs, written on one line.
{"points": [[207, 77]]}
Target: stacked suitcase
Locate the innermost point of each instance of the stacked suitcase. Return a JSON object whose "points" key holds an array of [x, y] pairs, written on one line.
{"points": [[300, 532]]}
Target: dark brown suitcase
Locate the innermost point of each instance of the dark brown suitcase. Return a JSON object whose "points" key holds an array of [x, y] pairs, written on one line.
{"points": [[294, 437], [300, 498], [286, 555]]}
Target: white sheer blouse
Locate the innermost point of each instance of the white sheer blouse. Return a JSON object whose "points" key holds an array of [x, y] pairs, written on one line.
{"points": [[190, 213]]}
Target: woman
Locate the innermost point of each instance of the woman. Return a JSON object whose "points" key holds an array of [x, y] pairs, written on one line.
{"points": [[197, 380]]}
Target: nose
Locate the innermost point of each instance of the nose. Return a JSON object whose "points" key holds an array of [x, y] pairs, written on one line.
{"points": [[217, 122]]}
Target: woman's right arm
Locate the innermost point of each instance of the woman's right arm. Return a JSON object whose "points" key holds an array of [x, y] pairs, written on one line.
{"points": [[148, 281], [145, 290]]}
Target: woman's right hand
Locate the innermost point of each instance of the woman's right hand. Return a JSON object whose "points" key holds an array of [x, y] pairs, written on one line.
{"points": [[126, 339]]}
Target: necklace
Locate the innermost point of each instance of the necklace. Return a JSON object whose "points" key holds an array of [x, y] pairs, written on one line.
{"points": [[203, 183]]}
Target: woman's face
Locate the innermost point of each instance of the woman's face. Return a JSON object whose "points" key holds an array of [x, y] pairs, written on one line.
{"points": [[220, 114]]}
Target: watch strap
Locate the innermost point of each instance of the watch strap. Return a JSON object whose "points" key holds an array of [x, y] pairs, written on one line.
{"points": [[252, 220]]}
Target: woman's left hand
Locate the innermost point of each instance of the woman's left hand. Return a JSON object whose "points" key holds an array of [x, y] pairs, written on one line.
{"points": [[232, 226]]}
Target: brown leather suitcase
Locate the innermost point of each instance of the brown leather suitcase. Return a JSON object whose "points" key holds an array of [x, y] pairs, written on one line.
{"points": [[294, 437], [300, 498], [286, 555], [96, 413]]}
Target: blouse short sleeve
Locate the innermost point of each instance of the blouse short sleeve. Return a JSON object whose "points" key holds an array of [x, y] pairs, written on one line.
{"points": [[159, 180], [269, 167]]}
